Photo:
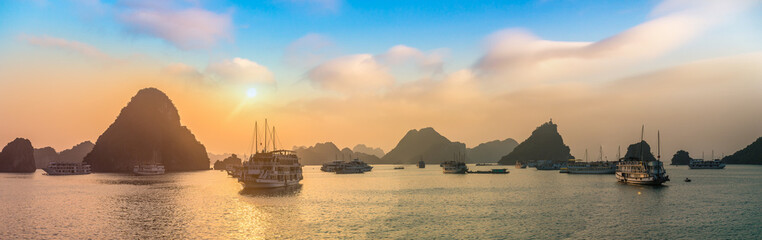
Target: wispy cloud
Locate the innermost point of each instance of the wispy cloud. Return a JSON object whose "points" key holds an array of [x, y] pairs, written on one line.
{"points": [[80, 48], [228, 72], [309, 50], [185, 27], [353, 73]]}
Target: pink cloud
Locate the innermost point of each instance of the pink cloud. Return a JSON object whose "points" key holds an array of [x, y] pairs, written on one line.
{"points": [[188, 28]]}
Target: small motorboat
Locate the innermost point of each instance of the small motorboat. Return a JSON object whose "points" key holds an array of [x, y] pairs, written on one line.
{"points": [[399, 167], [687, 180]]}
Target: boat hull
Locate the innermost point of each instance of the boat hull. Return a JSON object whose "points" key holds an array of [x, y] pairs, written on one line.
{"points": [[707, 167], [597, 171], [264, 183], [455, 171], [52, 172], [641, 181]]}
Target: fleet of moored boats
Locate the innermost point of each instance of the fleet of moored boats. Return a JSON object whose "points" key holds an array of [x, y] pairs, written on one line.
{"points": [[281, 168]]}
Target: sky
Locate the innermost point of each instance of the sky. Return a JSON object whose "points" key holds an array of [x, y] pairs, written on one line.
{"points": [[366, 72]]}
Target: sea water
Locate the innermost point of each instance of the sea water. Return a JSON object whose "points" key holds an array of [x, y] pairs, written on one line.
{"points": [[411, 203]]}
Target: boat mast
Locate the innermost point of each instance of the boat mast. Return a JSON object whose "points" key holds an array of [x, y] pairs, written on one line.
{"points": [[658, 145], [618, 153], [265, 150], [274, 148], [642, 129], [255, 143], [585, 154], [601, 156]]}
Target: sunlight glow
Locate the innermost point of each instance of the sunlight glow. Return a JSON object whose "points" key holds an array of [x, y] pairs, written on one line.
{"points": [[251, 92]]}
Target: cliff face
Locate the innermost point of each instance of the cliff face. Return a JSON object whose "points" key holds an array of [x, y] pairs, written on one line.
{"points": [[681, 158], [545, 143], [634, 151], [491, 152], [327, 152], [18, 156], [751, 154], [361, 148], [148, 130], [77, 153], [426, 143], [233, 160], [44, 156]]}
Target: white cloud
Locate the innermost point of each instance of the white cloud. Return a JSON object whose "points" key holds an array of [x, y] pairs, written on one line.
{"points": [[401, 54], [185, 27], [240, 71], [353, 73], [519, 56]]}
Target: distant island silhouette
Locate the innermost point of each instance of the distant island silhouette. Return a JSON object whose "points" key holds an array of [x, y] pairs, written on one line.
{"points": [[425, 143], [76, 154], [18, 156], [148, 130], [545, 143], [751, 154]]}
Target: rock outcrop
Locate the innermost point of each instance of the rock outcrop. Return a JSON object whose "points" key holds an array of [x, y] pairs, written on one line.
{"points": [[233, 160], [545, 143], [425, 143], [148, 130], [18, 156], [681, 158], [361, 148], [634, 150], [492, 151], [44, 156], [751, 154], [77, 153]]}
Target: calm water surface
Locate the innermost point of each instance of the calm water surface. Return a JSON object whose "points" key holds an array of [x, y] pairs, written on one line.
{"points": [[385, 203]]}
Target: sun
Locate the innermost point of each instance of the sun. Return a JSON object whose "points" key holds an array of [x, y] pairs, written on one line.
{"points": [[251, 92]]}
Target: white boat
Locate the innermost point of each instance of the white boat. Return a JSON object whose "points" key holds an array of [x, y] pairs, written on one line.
{"points": [[354, 166], [599, 167], [635, 170], [148, 169], [58, 168], [273, 169], [591, 168], [331, 166], [701, 164], [456, 166]]}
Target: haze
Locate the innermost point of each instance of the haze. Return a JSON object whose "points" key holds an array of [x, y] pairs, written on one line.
{"points": [[366, 72]]}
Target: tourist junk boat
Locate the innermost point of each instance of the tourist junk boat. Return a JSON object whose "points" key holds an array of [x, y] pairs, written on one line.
{"points": [[331, 166], [599, 167], [636, 170], [58, 168], [701, 164], [354, 166], [147, 169], [270, 169], [456, 166]]}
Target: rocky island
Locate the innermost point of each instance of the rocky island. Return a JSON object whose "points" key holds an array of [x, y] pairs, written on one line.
{"points": [[545, 143], [18, 157], [148, 130]]}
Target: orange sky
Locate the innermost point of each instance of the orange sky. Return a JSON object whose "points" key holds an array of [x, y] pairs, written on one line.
{"points": [[60, 92]]}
